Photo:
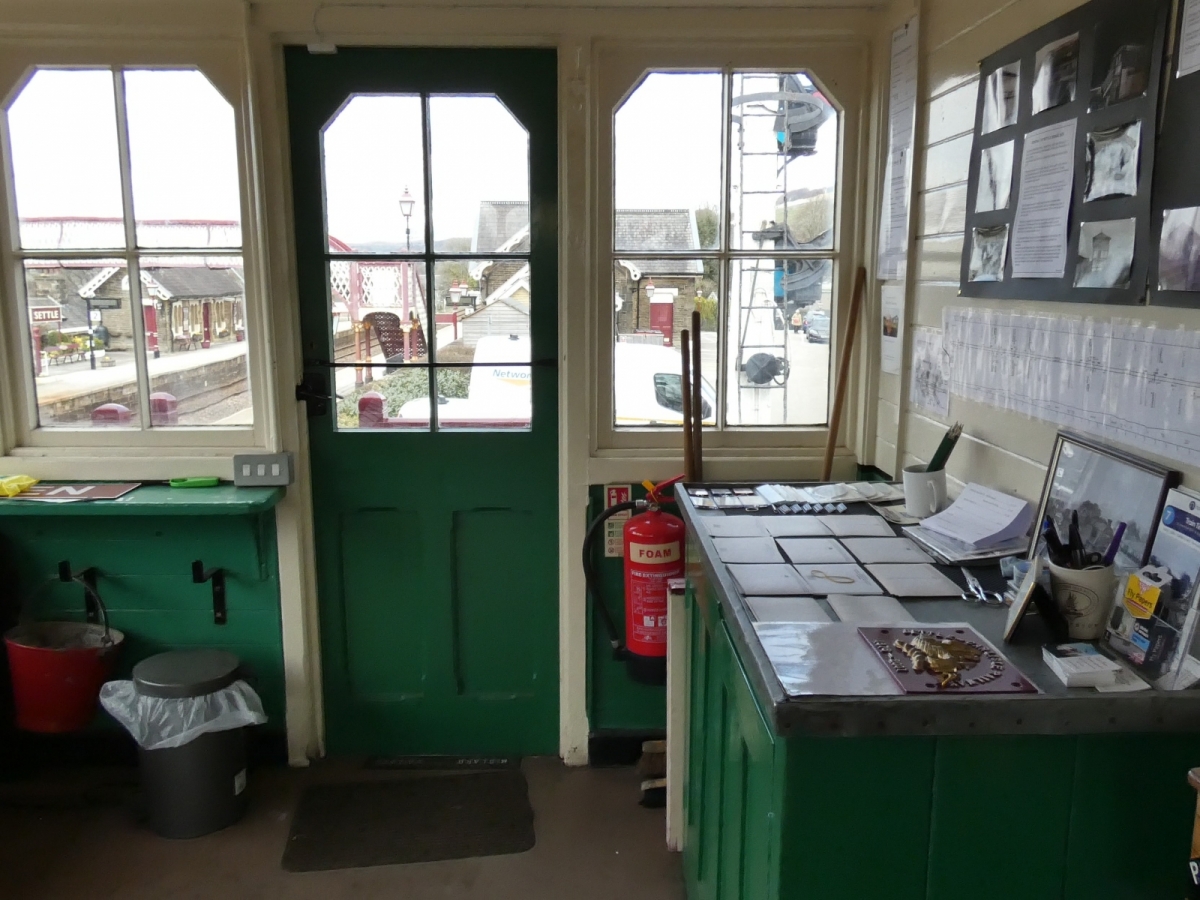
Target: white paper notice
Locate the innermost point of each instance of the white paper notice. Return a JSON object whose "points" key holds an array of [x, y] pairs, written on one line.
{"points": [[892, 342], [1189, 39], [1039, 239], [929, 382], [897, 193]]}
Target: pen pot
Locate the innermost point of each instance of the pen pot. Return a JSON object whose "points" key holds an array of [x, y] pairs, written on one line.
{"points": [[924, 492], [1085, 598]]}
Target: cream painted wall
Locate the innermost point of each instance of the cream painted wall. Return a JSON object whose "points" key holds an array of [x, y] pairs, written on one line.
{"points": [[998, 447]]}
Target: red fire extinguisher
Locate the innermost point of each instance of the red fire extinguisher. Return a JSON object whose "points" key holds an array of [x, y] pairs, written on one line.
{"points": [[653, 543]]}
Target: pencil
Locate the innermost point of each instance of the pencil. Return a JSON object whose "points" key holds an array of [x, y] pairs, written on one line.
{"points": [[945, 448]]}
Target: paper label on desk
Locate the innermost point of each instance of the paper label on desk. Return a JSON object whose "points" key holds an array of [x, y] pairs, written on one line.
{"points": [[614, 528], [1141, 600]]}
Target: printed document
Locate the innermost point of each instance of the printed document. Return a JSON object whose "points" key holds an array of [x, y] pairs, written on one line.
{"points": [[982, 517], [1039, 240]]}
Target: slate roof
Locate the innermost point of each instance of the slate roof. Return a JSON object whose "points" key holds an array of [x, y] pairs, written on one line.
{"points": [[498, 221], [188, 282], [650, 230]]}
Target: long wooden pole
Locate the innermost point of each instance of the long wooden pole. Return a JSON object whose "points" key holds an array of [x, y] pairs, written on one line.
{"points": [[697, 402], [839, 395], [685, 348]]}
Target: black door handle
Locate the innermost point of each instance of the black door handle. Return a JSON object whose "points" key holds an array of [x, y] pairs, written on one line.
{"points": [[314, 391]]}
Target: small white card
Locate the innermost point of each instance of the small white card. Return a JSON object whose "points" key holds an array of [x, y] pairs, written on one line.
{"points": [[870, 610]]}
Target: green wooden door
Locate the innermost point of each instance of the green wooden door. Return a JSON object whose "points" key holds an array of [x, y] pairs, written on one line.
{"points": [[424, 187]]}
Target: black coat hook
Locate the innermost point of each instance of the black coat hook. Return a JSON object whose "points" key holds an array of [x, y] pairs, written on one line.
{"points": [[88, 578], [217, 577]]}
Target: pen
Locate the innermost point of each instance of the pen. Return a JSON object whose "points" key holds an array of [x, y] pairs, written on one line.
{"points": [[945, 448], [1111, 553], [1076, 541], [1053, 543]]}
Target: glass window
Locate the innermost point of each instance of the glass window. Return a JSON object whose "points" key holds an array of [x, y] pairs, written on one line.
{"points": [[165, 348], [749, 244], [429, 316]]}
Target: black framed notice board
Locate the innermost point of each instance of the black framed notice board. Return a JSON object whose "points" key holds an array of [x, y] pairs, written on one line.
{"points": [[1096, 70]]}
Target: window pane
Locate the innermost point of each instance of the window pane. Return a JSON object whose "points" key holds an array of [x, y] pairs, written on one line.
{"points": [[667, 163], [374, 174], [494, 395], [378, 318], [81, 340], [653, 302], [65, 164], [477, 298], [183, 156], [480, 165], [195, 311], [784, 163], [779, 331]]}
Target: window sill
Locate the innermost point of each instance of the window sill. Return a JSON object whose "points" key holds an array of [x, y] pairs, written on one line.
{"points": [[120, 464], [158, 500]]}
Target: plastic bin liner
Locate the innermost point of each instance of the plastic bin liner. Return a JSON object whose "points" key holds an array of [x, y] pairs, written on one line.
{"points": [[157, 723]]}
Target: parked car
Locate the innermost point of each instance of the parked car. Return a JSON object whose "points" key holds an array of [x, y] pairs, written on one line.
{"points": [[818, 327]]}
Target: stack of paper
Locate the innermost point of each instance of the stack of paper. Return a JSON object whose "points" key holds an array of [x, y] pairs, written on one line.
{"points": [[982, 518], [1080, 665]]}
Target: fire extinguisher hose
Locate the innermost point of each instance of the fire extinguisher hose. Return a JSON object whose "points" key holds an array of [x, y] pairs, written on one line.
{"points": [[610, 624]]}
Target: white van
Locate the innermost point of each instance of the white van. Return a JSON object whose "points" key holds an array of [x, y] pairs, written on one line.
{"points": [[646, 387]]}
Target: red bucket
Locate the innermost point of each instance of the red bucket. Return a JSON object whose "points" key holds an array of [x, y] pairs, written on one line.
{"points": [[57, 670]]}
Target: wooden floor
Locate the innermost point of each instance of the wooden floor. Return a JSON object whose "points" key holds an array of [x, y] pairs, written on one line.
{"points": [[71, 834]]}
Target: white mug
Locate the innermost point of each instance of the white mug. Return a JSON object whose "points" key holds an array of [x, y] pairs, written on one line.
{"points": [[924, 492]]}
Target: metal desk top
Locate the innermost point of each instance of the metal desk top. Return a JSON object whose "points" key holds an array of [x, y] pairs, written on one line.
{"points": [[845, 701]]}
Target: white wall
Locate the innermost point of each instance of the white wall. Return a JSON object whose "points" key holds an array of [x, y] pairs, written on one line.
{"points": [[999, 447]]}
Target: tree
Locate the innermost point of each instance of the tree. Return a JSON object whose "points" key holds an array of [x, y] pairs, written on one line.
{"points": [[706, 229], [810, 218]]}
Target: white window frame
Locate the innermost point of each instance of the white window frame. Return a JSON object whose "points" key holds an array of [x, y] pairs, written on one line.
{"points": [[147, 452], [841, 69]]}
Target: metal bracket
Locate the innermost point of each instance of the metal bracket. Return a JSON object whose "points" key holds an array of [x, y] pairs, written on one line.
{"points": [[217, 577], [314, 391], [88, 576]]}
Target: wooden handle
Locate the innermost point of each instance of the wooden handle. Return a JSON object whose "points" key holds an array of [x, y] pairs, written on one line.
{"points": [[839, 393], [685, 349], [697, 402]]}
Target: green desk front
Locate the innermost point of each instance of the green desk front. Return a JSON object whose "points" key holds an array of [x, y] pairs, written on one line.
{"points": [[143, 546]]}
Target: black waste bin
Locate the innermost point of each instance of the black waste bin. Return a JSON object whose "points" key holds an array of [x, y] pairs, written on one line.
{"points": [[200, 787]]}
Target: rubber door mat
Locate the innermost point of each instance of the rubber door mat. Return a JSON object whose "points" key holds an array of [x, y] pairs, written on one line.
{"points": [[409, 820]]}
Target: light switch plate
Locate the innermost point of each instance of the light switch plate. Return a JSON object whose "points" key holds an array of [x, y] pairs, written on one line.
{"points": [[262, 469]]}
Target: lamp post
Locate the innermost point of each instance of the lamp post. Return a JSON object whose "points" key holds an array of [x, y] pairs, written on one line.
{"points": [[91, 334], [406, 208]]}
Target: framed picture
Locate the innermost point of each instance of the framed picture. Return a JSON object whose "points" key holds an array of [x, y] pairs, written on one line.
{"points": [[1105, 486]]}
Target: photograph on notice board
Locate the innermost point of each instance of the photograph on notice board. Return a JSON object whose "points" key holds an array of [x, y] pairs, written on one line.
{"points": [[1122, 54], [989, 253], [995, 177], [1056, 68], [1000, 93], [1105, 253], [1179, 250], [1112, 162]]}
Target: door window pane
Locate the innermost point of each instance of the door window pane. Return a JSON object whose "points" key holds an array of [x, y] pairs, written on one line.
{"points": [[480, 171], [779, 328], [667, 160], [66, 173], [196, 347], [378, 320], [183, 159], [653, 301], [81, 343], [374, 174], [493, 394], [783, 167]]}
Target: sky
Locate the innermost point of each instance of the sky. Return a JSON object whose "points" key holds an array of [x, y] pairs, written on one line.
{"points": [[182, 146], [184, 160]]}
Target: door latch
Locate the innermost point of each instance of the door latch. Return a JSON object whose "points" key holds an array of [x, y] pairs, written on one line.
{"points": [[314, 391]]}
